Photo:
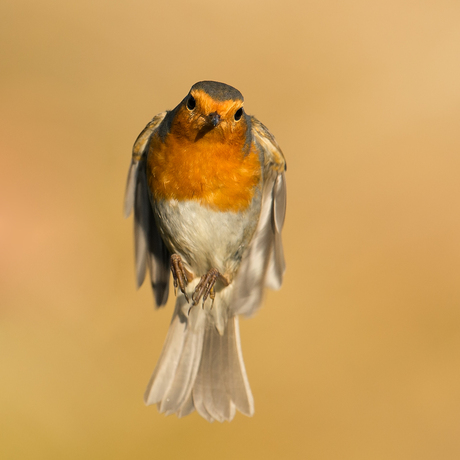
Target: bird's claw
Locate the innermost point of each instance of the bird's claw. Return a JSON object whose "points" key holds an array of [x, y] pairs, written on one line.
{"points": [[179, 275], [205, 288]]}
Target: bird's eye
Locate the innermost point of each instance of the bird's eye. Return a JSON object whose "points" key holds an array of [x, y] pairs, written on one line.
{"points": [[191, 103], [239, 114]]}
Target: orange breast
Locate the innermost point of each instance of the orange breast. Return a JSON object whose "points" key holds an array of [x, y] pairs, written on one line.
{"points": [[218, 175]]}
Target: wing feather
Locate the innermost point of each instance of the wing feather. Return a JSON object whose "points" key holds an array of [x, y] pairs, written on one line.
{"points": [[150, 250], [263, 263]]}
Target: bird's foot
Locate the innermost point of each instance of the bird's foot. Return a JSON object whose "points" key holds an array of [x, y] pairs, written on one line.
{"points": [[205, 288], [180, 275]]}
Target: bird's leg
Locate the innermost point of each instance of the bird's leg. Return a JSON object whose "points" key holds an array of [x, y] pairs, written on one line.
{"points": [[205, 287], [180, 274]]}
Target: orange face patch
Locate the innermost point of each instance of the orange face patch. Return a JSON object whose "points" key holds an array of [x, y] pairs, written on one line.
{"points": [[210, 166], [192, 123]]}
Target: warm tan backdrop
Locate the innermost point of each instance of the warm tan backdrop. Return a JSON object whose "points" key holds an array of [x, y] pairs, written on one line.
{"points": [[357, 357]]}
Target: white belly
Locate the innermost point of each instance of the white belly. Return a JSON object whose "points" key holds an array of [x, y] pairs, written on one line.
{"points": [[205, 238]]}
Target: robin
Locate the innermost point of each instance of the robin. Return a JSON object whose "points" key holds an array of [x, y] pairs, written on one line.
{"points": [[207, 184]]}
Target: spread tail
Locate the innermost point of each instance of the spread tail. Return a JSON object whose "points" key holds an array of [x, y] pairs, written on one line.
{"points": [[201, 368]]}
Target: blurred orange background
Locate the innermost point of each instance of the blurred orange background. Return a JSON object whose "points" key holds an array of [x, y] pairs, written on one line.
{"points": [[358, 356]]}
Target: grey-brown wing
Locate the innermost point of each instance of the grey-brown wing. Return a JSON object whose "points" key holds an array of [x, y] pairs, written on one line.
{"points": [[263, 263], [150, 250]]}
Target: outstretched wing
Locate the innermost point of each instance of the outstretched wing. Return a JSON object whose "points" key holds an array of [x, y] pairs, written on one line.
{"points": [[149, 247], [263, 263]]}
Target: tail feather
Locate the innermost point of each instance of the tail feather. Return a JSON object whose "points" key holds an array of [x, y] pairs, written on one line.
{"points": [[182, 383], [199, 396], [213, 373], [206, 380], [221, 373], [186, 408], [239, 388], [169, 359], [201, 369]]}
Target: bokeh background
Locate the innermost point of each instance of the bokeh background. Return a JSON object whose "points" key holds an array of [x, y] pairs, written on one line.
{"points": [[358, 356]]}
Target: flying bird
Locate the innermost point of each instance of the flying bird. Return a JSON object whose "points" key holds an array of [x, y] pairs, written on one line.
{"points": [[207, 185]]}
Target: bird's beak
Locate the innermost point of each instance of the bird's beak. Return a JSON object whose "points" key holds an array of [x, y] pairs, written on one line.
{"points": [[214, 119]]}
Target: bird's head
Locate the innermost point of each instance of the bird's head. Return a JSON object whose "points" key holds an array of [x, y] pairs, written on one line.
{"points": [[212, 111]]}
